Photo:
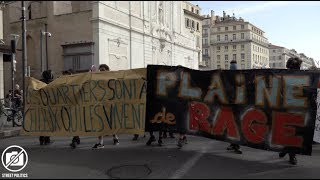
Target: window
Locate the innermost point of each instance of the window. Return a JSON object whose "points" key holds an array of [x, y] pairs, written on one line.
{"points": [[198, 27], [274, 50], [79, 57], [234, 28], [206, 42], [234, 36], [242, 26], [187, 22], [242, 55], [219, 29], [226, 28], [234, 57], [226, 37], [197, 11], [242, 35], [234, 47], [192, 9], [242, 46], [192, 24], [198, 41], [279, 57], [226, 66], [29, 9], [218, 48], [218, 37], [226, 48], [226, 57], [218, 57], [206, 52], [218, 67], [273, 58], [243, 66]]}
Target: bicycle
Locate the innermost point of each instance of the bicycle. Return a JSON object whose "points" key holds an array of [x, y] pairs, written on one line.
{"points": [[12, 111]]}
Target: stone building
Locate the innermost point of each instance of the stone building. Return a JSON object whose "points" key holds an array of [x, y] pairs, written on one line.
{"points": [[207, 23], [122, 34], [236, 39], [280, 55]]}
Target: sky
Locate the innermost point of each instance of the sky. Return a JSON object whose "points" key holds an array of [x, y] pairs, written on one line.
{"points": [[290, 24]]}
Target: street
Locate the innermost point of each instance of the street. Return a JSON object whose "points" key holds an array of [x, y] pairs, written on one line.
{"points": [[200, 158]]}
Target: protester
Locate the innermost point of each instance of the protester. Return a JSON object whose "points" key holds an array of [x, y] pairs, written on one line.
{"points": [[182, 132], [292, 64], [234, 147], [104, 67], [17, 94], [47, 77], [76, 139]]}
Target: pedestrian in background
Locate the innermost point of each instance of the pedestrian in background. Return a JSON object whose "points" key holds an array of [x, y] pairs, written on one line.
{"points": [[234, 147]]}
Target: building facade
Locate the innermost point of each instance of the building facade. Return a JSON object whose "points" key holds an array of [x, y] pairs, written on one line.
{"points": [[137, 33], [280, 55], [207, 23], [235, 39], [121, 34]]}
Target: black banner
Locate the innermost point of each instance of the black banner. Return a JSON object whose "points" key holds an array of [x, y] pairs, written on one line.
{"points": [[266, 109]]}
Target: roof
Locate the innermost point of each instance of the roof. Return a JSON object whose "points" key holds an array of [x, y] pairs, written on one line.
{"points": [[271, 46]]}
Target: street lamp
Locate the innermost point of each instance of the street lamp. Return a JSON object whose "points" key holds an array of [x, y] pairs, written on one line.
{"points": [[46, 34]]}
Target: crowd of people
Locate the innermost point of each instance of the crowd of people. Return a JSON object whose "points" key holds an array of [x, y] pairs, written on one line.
{"points": [[47, 77]]}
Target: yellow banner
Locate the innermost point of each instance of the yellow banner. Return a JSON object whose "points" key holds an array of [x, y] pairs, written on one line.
{"points": [[87, 104]]}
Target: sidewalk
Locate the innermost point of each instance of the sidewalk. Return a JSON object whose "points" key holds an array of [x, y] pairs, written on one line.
{"points": [[6, 129]]}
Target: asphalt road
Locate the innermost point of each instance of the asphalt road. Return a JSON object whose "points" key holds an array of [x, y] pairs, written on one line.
{"points": [[201, 158]]}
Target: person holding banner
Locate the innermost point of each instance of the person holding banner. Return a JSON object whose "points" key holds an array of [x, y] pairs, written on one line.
{"points": [[47, 77], [292, 64], [104, 67], [235, 147], [76, 139]]}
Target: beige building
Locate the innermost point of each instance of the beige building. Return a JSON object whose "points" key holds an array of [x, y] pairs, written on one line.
{"points": [[207, 23], [280, 55], [235, 39], [122, 34]]}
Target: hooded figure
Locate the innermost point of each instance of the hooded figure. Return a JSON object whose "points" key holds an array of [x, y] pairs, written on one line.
{"points": [[47, 77]]}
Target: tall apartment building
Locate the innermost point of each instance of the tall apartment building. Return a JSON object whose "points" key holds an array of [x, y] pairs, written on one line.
{"points": [[280, 55], [236, 39], [121, 34]]}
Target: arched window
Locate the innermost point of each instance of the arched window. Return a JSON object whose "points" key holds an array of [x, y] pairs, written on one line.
{"points": [[29, 11]]}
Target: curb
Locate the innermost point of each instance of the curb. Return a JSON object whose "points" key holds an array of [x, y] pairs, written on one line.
{"points": [[9, 133]]}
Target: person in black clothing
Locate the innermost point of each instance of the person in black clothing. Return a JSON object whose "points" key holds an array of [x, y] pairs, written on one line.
{"points": [[76, 139], [292, 64], [47, 77], [234, 147]]}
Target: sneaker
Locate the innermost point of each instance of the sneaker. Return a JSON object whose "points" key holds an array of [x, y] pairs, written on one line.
{"points": [[185, 140], [282, 154], [238, 151], [73, 145], [180, 143], [76, 140], [135, 137], [160, 142], [231, 147], [152, 139], [293, 160], [116, 142], [98, 146]]}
